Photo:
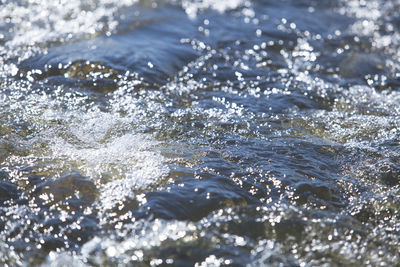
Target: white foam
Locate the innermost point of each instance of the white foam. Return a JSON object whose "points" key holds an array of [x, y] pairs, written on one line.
{"points": [[100, 145], [193, 7], [127, 156], [42, 21], [362, 118]]}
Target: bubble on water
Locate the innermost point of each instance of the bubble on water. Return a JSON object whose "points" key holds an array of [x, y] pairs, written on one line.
{"points": [[211, 260]]}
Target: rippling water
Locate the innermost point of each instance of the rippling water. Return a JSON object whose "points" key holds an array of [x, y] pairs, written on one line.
{"points": [[199, 132]]}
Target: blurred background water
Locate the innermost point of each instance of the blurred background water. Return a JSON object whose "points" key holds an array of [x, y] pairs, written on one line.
{"points": [[199, 133]]}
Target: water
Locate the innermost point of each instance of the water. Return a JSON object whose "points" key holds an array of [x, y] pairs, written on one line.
{"points": [[201, 133]]}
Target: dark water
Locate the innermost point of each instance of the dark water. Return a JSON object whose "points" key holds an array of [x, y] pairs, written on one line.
{"points": [[199, 133]]}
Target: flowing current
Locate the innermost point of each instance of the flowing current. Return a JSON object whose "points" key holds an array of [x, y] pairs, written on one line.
{"points": [[199, 133]]}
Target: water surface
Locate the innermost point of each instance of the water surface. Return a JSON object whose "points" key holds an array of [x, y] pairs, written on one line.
{"points": [[199, 133]]}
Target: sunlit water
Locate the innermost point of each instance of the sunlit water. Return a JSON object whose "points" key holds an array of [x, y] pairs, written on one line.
{"points": [[204, 133]]}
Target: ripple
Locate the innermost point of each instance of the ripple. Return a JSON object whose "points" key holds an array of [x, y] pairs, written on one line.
{"points": [[199, 133]]}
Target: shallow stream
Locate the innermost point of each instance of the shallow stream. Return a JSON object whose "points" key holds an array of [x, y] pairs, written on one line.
{"points": [[199, 133]]}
